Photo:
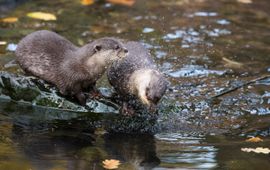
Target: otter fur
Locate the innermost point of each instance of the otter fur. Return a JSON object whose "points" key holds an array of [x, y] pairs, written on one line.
{"points": [[72, 69], [137, 76]]}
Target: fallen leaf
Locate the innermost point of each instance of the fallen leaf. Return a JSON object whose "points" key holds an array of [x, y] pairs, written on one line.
{"points": [[9, 19], [122, 2], [111, 164], [256, 150], [254, 139], [87, 2], [3, 42], [42, 16], [245, 1]]}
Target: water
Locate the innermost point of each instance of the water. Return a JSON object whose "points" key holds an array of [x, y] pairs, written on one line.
{"points": [[203, 46]]}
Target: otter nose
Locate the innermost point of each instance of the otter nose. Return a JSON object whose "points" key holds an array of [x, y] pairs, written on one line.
{"points": [[125, 50]]}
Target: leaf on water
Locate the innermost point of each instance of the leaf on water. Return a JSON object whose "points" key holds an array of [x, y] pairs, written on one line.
{"points": [[111, 164], [254, 139], [87, 2], [245, 1], [42, 16], [3, 43], [122, 2], [231, 63], [256, 150], [9, 19]]}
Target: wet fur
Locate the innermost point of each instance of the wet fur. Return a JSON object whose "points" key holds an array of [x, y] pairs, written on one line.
{"points": [[136, 73], [53, 58]]}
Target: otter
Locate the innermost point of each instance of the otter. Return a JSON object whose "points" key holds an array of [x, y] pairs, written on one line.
{"points": [[137, 76], [72, 69]]}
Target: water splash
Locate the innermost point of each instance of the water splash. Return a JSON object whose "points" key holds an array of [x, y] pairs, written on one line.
{"points": [[195, 70]]}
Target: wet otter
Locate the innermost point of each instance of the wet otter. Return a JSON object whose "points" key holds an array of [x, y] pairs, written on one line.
{"points": [[137, 76], [53, 58]]}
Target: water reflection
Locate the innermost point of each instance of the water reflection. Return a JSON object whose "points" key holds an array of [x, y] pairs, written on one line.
{"points": [[67, 146], [137, 150], [71, 149], [185, 152], [49, 150]]}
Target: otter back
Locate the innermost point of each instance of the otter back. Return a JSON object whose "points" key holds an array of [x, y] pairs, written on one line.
{"points": [[42, 52]]}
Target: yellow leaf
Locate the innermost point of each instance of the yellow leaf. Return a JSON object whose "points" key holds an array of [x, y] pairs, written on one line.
{"points": [[42, 16], [122, 2], [245, 1], [256, 150], [111, 164], [3, 42], [10, 19], [254, 139], [87, 2]]}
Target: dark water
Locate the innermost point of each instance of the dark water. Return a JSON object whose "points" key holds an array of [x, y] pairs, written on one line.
{"points": [[203, 46]]}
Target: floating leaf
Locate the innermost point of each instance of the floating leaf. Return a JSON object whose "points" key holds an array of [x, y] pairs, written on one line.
{"points": [[254, 139], [87, 2], [122, 2], [42, 16], [111, 164], [245, 1], [256, 150], [9, 19], [3, 42]]}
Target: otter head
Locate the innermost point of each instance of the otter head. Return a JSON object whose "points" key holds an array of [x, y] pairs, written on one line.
{"points": [[109, 49], [150, 86]]}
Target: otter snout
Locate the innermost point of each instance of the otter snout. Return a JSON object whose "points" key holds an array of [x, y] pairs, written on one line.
{"points": [[125, 50]]}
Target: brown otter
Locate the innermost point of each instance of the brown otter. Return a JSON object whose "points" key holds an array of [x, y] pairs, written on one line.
{"points": [[138, 76], [53, 58]]}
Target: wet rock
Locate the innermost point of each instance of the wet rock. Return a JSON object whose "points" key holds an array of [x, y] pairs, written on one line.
{"points": [[37, 92], [18, 93]]}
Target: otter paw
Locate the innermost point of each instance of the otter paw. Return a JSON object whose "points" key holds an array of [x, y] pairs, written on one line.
{"points": [[81, 98]]}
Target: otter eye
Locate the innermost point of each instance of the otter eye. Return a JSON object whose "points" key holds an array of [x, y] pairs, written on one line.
{"points": [[97, 48], [117, 47]]}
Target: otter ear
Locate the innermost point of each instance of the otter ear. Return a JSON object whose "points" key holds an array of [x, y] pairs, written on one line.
{"points": [[97, 48]]}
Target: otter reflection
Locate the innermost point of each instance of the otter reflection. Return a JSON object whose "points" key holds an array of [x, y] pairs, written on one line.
{"points": [[73, 150], [137, 150]]}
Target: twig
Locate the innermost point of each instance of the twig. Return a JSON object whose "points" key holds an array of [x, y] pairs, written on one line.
{"points": [[240, 86]]}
